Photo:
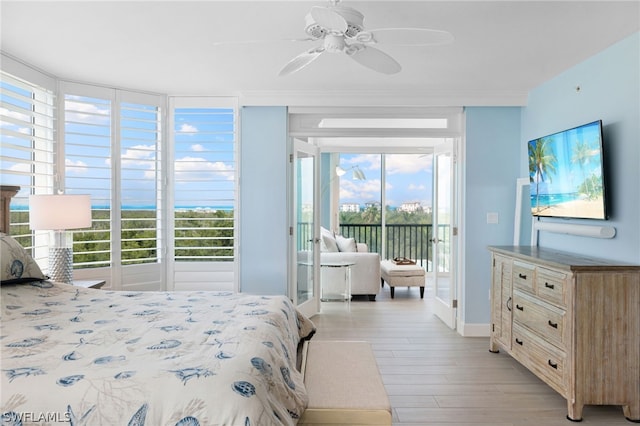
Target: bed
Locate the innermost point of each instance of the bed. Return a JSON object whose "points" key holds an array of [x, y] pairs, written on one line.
{"points": [[95, 357]]}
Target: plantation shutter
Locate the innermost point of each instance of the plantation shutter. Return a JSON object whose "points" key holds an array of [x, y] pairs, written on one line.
{"points": [[141, 181], [205, 173], [113, 141], [87, 160], [27, 144], [204, 135]]}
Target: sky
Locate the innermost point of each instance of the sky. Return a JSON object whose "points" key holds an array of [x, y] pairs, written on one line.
{"points": [[202, 160], [408, 178]]}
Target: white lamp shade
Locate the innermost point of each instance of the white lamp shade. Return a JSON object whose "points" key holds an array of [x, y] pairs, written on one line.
{"points": [[59, 212]]}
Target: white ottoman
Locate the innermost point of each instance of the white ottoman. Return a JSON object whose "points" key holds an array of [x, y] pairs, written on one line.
{"points": [[401, 275]]}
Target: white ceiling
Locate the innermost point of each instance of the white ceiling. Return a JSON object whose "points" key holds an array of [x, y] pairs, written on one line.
{"points": [[502, 49]]}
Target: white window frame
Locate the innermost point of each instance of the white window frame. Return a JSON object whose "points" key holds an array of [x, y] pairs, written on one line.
{"points": [[201, 275], [41, 181], [146, 276]]}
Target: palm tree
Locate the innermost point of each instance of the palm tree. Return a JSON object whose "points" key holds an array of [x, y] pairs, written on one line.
{"points": [[371, 214], [542, 164], [582, 155]]}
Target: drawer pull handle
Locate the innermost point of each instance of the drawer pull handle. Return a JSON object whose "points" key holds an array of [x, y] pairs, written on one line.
{"points": [[520, 308], [550, 286], [509, 304], [522, 276], [553, 364], [518, 341], [553, 324]]}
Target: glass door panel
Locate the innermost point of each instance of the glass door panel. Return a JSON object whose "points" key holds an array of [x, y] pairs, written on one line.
{"points": [[443, 236], [305, 229]]}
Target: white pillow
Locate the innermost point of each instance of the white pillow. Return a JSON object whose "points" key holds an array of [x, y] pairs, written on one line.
{"points": [[346, 244], [328, 241]]}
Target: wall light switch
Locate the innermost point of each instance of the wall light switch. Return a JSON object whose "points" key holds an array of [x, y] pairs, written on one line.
{"points": [[492, 217]]}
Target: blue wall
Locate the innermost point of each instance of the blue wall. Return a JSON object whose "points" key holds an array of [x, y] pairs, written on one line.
{"points": [[492, 151], [495, 156], [263, 200], [495, 137], [609, 90]]}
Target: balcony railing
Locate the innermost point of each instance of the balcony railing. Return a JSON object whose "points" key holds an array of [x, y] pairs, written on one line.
{"points": [[412, 241]]}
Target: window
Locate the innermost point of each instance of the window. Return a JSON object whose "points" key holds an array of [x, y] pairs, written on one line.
{"points": [[27, 126], [396, 222], [144, 187], [204, 197], [112, 146], [87, 170], [141, 183]]}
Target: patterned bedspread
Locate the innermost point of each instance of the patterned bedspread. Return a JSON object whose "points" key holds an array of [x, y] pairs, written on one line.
{"points": [[94, 357]]}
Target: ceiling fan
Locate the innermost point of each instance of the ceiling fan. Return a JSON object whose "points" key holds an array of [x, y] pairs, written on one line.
{"points": [[341, 30]]}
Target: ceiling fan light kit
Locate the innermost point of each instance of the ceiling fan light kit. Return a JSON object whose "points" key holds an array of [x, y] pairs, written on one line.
{"points": [[348, 21], [342, 30]]}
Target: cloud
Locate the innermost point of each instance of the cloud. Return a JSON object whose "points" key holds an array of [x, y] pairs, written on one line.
{"points": [[13, 114], [414, 187], [407, 163], [188, 128], [188, 169], [77, 167], [85, 112], [364, 161], [354, 190], [21, 168], [394, 163], [18, 116], [134, 154], [139, 155], [197, 147]]}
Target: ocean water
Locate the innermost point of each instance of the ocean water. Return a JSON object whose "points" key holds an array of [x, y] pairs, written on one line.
{"points": [[553, 199]]}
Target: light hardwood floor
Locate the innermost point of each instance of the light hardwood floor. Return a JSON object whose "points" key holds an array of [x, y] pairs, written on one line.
{"points": [[433, 376]]}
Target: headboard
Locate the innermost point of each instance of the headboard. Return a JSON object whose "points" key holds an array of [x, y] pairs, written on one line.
{"points": [[6, 194]]}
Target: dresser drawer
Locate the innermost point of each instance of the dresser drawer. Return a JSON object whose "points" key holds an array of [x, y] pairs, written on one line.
{"points": [[550, 286], [542, 358], [543, 319], [523, 276]]}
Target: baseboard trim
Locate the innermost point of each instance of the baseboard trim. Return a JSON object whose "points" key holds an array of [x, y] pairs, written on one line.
{"points": [[474, 330]]}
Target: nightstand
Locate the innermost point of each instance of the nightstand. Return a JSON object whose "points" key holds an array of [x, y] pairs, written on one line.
{"points": [[89, 283]]}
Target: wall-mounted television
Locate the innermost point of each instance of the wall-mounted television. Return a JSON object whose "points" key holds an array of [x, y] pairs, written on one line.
{"points": [[566, 174]]}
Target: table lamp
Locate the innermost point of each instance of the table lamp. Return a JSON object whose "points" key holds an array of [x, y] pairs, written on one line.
{"points": [[60, 213]]}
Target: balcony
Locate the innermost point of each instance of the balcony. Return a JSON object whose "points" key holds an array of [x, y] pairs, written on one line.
{"points": [[402, 240]]}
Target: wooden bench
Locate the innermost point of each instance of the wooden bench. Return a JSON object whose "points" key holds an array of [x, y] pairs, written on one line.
{"points": [[401, 276], [344, 385]]}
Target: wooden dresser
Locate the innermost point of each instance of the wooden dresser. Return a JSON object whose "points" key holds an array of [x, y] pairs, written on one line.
{"points": [[572, 320]]}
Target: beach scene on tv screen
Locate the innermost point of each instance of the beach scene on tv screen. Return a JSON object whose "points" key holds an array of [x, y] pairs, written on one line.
{"points": [[565, 174]]}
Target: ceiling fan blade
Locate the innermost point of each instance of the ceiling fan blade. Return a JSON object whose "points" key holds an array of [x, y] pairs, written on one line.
{"points": [[238, 42], [328, 18], [406, 36], [301, 61], [373, 58]]}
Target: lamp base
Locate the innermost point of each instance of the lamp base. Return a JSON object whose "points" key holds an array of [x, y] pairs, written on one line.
{"points": [[61, 264]]}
